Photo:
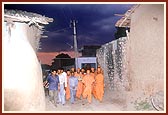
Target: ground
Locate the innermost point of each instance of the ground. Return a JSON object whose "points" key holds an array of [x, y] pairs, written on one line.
{"points": [[113, 101], [82, 105]]}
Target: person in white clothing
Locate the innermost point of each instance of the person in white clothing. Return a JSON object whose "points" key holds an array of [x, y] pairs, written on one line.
{"points": [[63, 85]]}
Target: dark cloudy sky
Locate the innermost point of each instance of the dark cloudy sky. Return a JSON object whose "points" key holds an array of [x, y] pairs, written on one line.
{"points": [[96, 23]]}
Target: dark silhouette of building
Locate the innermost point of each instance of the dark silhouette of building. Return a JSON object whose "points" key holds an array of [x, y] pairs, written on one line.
{"points": [[89, 51]]}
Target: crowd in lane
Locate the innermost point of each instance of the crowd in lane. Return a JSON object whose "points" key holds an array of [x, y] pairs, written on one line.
{"points": [[75, 84]]}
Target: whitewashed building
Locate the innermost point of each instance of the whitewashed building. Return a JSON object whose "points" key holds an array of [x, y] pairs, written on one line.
{"points": [[21, 70]]}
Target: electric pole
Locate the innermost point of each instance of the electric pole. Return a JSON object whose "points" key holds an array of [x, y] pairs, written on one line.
{"points": [[74, 36]]}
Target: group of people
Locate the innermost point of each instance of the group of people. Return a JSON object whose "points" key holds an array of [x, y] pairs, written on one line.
{"points": [[72, 84]]}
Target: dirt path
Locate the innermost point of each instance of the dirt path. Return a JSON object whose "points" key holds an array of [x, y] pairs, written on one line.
{"points": [[83, 106]]}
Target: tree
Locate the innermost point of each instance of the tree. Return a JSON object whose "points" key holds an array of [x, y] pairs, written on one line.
{"points": [[62, 60]]}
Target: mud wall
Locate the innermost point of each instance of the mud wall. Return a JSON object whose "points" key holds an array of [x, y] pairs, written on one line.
{"points": [[146, 49], [22, 75]]}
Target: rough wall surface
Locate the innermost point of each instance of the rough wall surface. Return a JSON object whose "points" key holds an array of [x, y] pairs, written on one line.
{"points": [[22, 75], [112, 59], [21, 70], [134, 69], [146, 47]]}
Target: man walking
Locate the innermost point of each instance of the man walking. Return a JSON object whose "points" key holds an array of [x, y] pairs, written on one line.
{"points": [[63, 84], [73, 83], [68, 88], [53, 81], [99, 85], [88, 82], [79, 91]]}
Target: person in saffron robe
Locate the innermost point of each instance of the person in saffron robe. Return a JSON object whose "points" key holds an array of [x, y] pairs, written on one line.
{"points": [[83, 72], [88, 81], [79, 75], [93, 74], [100, 68], [67, 88], [99, 85]]}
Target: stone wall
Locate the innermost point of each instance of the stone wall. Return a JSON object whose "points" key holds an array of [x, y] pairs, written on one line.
{"points": [[112, 58]]}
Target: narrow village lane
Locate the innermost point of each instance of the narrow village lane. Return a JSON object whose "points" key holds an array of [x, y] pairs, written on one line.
{"points": [[83, 106]]}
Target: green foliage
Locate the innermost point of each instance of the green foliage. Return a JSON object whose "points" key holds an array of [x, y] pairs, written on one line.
{"points": [[143, 105]]}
